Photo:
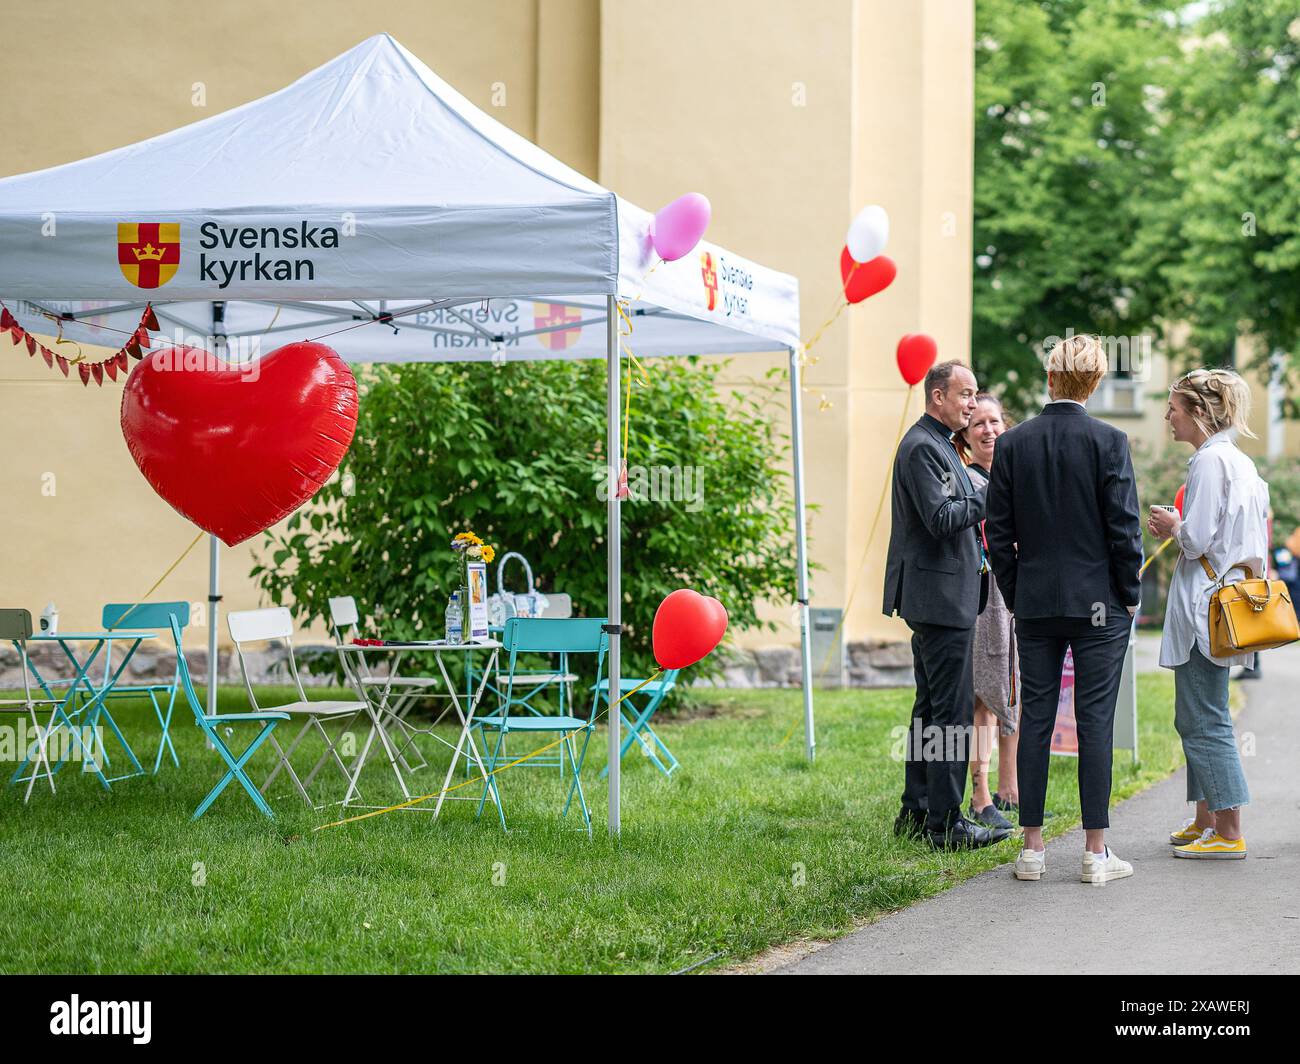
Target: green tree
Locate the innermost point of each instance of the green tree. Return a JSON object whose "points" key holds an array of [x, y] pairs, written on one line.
{"points": [[1235, 224], [516, 454], [1072, 146]]}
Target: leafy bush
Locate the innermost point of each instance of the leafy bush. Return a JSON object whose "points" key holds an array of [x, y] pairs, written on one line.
{"points": [[516, 453]]}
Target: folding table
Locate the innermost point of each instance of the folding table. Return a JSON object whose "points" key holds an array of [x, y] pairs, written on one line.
{"points": [[384, 719], [93, 710]]}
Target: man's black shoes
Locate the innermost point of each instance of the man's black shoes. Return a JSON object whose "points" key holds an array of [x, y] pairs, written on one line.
{"points": [[963, 834]]}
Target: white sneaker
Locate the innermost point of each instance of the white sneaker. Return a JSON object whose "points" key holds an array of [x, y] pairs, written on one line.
{"points": [[1030, 864], [1102, 869]]}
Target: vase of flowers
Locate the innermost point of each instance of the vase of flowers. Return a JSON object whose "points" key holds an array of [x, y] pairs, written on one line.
{"points": [[469, 548]]}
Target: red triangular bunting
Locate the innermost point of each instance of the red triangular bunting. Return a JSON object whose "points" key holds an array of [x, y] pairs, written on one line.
{"points": [[48, 355], [142, 335], [17, 332], [97, 371], [63, 363], [121, 361], [110, 367], [150, 319], [83, 368], [132, 347], [31, 344], [7, 320]]}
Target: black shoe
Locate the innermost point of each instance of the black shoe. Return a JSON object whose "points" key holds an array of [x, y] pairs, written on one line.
{"points": [[1003, 806], [964, 834], [910, 823], [990, 818]]}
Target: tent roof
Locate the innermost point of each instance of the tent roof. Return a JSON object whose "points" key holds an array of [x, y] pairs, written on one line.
{"points": [[367, 187]]}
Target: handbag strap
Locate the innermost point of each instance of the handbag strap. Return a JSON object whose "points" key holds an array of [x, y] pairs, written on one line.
{"points": [[1243, 566]]}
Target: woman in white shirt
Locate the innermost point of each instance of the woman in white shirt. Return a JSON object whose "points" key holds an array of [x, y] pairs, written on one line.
{"points": [[1224, 522]]}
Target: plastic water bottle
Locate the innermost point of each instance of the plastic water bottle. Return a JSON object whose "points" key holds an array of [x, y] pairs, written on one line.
{"points": [[455, 626]]}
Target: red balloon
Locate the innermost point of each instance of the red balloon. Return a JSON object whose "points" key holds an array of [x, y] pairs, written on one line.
{"points": [[916, 354], [236, 448], [687, 627], [1178, 499], [864, 279]]}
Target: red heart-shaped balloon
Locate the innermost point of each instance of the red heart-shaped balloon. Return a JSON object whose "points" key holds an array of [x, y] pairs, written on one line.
{"points": [[236, 448], [864, 279], [916, 354], [687, 627]]}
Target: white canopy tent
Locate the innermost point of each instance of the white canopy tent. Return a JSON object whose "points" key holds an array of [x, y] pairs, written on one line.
{"points": [[370, 205]]}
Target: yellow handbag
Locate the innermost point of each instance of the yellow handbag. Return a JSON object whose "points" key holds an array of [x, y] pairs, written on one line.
{"points": [[1251, 614]]}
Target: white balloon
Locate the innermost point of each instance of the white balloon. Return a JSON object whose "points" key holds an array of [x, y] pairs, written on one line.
{"points": [[868, 233]]}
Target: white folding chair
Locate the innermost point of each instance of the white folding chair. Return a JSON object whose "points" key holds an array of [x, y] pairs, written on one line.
{"points": [[409, 690], [16, 626], [276, 624]]}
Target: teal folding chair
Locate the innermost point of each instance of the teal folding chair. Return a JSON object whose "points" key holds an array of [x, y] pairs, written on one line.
{"points": [[149, 615], [636, 719], [541, 635], [209, 726]]}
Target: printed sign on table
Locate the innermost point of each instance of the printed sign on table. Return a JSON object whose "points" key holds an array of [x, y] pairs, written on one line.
{"points": [[478, 609]]}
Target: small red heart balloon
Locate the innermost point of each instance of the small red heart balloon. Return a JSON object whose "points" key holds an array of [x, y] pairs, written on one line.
{"points": [[916, 354], [687, 627], [865, 279], [1179, 496], [235, 448]]}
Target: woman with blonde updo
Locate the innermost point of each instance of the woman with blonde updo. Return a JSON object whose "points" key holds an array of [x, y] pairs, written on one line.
{"points": [[1224, 524]]}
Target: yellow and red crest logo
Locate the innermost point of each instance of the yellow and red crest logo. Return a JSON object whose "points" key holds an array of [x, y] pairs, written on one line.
{"points": [[710, 275], [148, 253], [549, 315]]}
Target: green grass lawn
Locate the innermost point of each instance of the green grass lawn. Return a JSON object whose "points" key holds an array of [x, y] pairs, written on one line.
{"points": [[746, 847]]}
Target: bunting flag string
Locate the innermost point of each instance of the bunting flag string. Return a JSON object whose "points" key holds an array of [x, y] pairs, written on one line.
{"points": [[135, 347]]}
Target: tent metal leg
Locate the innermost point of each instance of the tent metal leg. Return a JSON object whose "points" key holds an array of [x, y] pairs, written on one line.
{"points": [[801, 544], [614, 561], [214, 607]]}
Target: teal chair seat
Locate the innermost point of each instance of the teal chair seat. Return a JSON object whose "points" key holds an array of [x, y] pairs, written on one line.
{"points": [[531, 723]]}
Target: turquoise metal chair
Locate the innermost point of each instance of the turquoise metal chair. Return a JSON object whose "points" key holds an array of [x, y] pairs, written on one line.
{"points": [[636, 719], [541, 635], [149, 615], [209, 725]]}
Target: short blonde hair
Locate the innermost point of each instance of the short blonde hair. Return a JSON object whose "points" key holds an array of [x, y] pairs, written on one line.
{"points": [[1079, 363], [1216, 399]]}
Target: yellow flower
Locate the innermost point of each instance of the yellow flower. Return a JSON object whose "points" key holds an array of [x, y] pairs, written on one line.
{"points": [[488, 554], [468, 537]]}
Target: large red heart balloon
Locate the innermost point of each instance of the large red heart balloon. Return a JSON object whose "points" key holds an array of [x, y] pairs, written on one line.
{"points": [[236, 448], [1179, 496], [916, 354], [687, 627], [864, 279]]}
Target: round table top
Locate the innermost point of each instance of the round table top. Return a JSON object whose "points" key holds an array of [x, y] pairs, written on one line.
{"points": [[73, 637], [432, 644]]}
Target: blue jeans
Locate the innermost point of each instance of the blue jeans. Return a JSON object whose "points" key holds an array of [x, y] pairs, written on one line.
{"points": [[1201, 716]]}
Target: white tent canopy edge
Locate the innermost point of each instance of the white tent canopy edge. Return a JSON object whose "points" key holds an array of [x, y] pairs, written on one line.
{"points": [[335, 208]]}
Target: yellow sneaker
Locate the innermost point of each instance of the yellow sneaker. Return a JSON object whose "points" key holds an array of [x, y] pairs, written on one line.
{"points": [[1214, 847], [1189, 832]]}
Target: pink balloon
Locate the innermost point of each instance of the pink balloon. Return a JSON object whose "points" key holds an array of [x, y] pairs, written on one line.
{"points": [[677, 228]]}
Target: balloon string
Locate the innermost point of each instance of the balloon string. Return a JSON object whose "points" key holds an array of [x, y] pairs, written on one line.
{"points": [[170, 569], [857, 576], [840, 306], [1155, 554], [484, 777]]}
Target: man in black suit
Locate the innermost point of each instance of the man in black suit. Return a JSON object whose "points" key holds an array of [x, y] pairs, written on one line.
{"points": [[1065, 541], [934, 580]]}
